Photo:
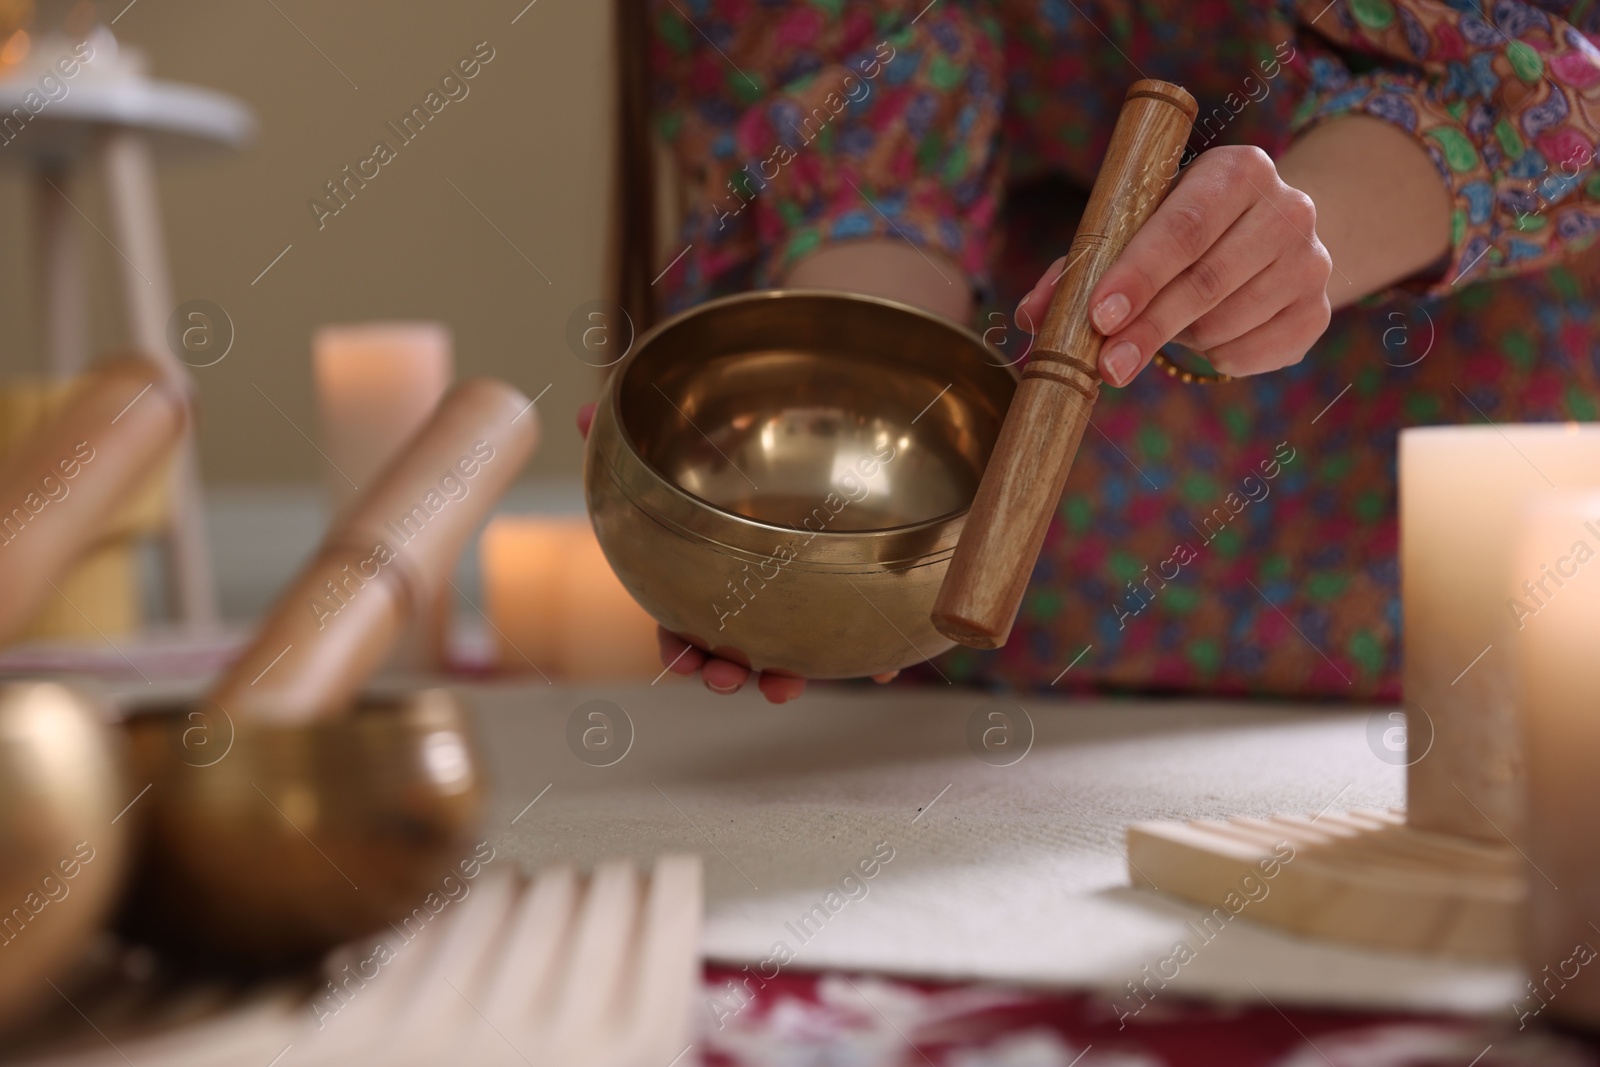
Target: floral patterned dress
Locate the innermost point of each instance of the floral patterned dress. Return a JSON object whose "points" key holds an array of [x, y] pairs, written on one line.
{"points": [[1233, 539]]}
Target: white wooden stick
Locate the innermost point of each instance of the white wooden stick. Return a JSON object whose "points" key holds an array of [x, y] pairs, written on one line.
{"points": [[62, 276], [134, 199]]}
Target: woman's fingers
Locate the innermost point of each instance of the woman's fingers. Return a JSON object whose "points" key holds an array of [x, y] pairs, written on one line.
{"points": [[1281, 341], [678, 655], [1239, 257], [780, 688], [724, 676], [1202, 207], [1230, 251], [1247, 307], [720, 675]]}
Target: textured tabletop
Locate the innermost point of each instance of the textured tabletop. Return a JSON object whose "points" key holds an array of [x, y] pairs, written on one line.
{"points": [[1011, 873]]}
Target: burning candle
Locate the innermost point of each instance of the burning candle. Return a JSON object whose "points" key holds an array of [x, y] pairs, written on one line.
{"points": [[376, 382], [1461, 490], [1557, 557], [520, 560], [558, 608]]}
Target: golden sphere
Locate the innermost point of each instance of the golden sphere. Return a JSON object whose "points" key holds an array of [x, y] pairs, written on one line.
{"points": [[62, 843]]}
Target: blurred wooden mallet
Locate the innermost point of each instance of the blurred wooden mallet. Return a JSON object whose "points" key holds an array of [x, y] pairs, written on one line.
{"points": [[1022, 484]]}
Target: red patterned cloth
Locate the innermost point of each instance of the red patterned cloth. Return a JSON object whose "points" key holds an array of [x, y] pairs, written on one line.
{"points": [[862, 1021]]}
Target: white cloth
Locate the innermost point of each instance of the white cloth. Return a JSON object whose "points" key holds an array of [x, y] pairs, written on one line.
{"points": [[1014, 874]]}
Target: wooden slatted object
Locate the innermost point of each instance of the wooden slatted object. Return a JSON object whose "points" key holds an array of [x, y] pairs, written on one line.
{"points": [[560, 968], [1361, 877]]}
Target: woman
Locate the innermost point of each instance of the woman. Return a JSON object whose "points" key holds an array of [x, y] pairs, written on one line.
{"points": [[1423, 171]]}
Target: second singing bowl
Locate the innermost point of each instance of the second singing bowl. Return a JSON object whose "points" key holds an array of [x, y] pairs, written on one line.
{"points": [[268, 844], [781, 476]]}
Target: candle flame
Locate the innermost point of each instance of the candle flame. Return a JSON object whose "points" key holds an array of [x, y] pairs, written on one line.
{"points": [[16, 49]]}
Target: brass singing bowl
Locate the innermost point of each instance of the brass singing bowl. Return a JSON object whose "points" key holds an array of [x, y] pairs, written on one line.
{"points": [[62, 846], [270, 844], [781, 477]]}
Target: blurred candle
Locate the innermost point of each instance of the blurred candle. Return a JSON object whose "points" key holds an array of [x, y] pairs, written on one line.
{"points": [[1461, 490], [557, 605], [1554, 591], [520, 559], [377, 383]]}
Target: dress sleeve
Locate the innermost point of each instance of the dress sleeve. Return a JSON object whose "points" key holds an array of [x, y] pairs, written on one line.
{"points": [[802, 125], [1506, 98]]}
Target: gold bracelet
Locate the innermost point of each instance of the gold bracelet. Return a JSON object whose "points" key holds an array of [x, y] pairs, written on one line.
{"points": [[1188, 377]]}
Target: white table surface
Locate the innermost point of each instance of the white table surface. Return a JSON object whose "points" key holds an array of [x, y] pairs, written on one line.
{"points": [[1014, 874]]}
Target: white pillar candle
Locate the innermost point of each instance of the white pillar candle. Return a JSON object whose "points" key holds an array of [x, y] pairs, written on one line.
{"points": [[1461, 489], [557, 606], [1555, 583], [376, 382]]}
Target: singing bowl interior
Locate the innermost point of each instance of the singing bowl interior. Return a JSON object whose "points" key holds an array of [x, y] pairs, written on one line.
{"points": [[762, 407], [270, 844]]}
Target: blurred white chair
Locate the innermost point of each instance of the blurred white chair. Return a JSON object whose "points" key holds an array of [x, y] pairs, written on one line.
{"points": [[109, 115]]}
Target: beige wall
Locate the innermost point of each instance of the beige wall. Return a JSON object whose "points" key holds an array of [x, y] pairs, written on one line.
{"points": [[529, 145]]}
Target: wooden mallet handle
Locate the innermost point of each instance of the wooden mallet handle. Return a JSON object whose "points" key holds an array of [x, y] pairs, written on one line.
{"points": [[392, 550], [1022, 484]]}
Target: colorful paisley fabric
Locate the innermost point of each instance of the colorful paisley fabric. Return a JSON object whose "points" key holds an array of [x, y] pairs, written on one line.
{"points": [[1238, 539]]}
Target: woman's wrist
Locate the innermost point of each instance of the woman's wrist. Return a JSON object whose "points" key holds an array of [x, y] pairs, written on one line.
{"points": [[888, 268], [1383, 211]]}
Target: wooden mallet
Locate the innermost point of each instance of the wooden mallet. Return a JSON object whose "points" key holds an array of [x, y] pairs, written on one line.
{"points": [[1022, 484]]}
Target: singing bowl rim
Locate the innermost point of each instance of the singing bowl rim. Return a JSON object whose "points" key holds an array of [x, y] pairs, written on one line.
{"points": [[378, 722], [682, 512]]}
